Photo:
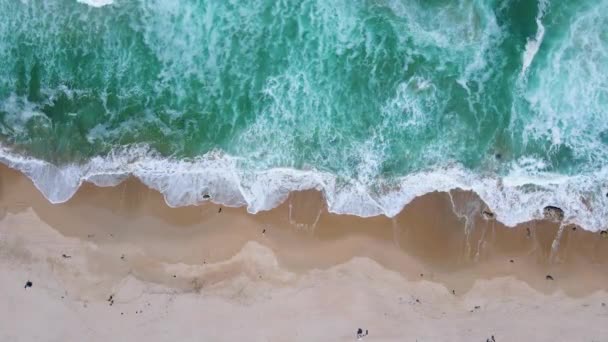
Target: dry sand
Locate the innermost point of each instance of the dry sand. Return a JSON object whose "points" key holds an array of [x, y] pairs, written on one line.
{"points": [[117, 264]]}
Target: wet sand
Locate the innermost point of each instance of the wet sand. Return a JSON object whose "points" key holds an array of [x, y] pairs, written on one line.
{"points": [[118, 263]]}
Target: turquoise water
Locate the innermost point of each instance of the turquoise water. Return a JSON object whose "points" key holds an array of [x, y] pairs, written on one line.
{"points": [[363, 100]]}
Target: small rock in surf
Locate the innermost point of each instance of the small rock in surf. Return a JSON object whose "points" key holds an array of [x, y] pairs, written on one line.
{"points": [[553, 213], [488, 215]]}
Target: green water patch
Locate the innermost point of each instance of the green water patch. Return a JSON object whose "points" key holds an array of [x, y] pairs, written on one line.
{"points": [[365, 90]]}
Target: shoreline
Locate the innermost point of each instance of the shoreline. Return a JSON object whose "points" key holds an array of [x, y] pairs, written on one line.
{"points": [[216, 177], [426, 230], [126, 238]]}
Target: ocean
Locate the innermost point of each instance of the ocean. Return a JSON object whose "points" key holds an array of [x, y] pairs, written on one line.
{"points": [[371, 102]]}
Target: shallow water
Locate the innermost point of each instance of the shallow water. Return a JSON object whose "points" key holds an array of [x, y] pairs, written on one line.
{"points": [[371, 102]]}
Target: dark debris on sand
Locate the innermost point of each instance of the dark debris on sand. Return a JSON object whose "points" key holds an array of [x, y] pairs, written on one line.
{"points": [[28, 284], [360, 333], [549, 277]]}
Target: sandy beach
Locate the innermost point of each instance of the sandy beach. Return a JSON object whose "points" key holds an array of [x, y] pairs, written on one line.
{"points": [[118, 264]]}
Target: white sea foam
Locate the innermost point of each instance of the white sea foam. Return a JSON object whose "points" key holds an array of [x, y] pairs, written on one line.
{"points": [[567, 91], [518, 197], [532, 45], [96, 3]]}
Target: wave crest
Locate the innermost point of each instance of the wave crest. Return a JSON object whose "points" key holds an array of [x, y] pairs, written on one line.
{"points": [[96, 3]]}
